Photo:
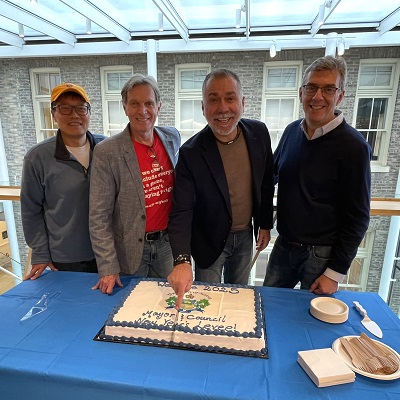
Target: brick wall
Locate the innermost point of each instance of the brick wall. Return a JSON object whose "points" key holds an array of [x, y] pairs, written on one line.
{"points": [[16, 112]]}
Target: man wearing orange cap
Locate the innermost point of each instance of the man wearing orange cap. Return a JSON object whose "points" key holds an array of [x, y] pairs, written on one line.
{"points": [[55, 188]]}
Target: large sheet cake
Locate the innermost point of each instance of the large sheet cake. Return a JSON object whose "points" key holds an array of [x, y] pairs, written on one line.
{"points": [[213, 317]]}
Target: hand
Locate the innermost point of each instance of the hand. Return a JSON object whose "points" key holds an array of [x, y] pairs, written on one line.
{"points": [[106, 283], [181, 279], [37, 270], [264, 236], [324, 285]]}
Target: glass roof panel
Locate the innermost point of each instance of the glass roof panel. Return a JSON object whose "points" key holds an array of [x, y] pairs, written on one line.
{"points": [[65, 21]]}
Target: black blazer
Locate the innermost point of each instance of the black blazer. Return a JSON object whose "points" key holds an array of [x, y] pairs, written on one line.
{"points": [[201, 217]]}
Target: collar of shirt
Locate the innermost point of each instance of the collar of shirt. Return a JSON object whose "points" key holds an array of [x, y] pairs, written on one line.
{"points": [[323, 130]]}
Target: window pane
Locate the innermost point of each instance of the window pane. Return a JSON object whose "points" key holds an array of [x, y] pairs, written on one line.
{"points": [[116, 80], [48, 127], [191, 116], [281, 78], [384, 74], [42, 84], [192, 79], [364, 113], [370, 121], [45, 83], [43, 87], [279, 113], [117, 117], [378, 119], [371, 113], [55, 80], [272, 113], [375, 75], [354, 274]]}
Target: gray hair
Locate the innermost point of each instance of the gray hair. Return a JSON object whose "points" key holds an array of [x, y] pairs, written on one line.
{"points": [[221, 73], [329, 63], [139, 79]]}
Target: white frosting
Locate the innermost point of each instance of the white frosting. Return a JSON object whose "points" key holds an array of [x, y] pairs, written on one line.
{"points": [[212, 316]]}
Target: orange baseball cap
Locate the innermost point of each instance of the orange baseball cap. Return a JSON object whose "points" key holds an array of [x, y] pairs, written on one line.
{"points": [[68, 87]]}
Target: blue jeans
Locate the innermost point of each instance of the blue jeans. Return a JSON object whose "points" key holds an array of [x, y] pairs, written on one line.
{"points": [[234, 261], [157, 260], [290, 264]]}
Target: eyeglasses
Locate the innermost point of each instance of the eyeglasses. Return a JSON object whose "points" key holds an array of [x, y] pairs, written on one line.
{"points": [[66, 109], [155, 165], [328, 91]]}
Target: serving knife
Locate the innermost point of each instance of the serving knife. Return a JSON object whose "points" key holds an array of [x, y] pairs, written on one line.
{"points": [[175, 323], [367, 322], [255, 258], [176, 317]]}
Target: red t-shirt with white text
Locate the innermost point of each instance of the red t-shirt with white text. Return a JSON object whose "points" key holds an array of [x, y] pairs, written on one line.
{"points": [[157, 181]]}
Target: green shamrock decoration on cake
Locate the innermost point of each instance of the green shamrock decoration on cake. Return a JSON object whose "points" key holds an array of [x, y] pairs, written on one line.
{"points": [[171, 301], [203, 303]]}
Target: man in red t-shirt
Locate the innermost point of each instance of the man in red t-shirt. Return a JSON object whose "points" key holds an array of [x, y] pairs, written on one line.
{"points": [[132, 179]]}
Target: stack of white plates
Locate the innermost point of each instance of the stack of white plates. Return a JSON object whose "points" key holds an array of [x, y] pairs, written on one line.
{"points": [[330, 310]]}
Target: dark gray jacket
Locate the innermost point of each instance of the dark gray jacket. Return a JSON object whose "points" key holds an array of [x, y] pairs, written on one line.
{"points": [[55, 202]]}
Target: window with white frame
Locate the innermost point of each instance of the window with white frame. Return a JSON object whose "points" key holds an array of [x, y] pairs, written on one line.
{"points": [[188, 83], [113, 78], [374, 109], [43, 80], [357, 275], [280, 99]]}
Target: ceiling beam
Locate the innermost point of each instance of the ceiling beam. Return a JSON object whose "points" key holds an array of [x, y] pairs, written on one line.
{"points": [[11, 39], [27, 18], [259, 43], [324, 12], [173, 17], [88, 10], [389, 22], [247, 11]]}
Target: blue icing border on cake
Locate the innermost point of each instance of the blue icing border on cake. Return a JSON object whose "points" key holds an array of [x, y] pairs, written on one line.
{"points": [[259, 317], [131, 324]]}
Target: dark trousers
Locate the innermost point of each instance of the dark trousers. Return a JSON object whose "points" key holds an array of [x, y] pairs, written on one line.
{"points": [[80, 266]]}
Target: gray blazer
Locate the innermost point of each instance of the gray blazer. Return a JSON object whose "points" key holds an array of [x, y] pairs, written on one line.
{"points": [[117, 215]]}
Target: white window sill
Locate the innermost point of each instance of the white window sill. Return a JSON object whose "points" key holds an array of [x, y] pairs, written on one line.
{"points": [[379, 168]]}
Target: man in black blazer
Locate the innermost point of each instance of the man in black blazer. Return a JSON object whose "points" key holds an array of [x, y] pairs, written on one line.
{"points": [[223, 191]]}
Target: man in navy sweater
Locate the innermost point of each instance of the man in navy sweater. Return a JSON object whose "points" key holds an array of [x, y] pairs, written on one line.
{"points": [[322, 167]]}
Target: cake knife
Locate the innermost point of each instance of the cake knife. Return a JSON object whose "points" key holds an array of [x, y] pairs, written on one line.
{"points": [[176, 317], [175, 323], [367, 322], [255, 258]]}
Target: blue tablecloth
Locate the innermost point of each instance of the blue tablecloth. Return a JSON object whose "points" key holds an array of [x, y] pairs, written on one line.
{"points": [[53, 355]]}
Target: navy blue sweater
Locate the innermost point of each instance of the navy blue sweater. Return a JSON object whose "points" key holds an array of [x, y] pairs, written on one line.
{"points": [[324, 189]]}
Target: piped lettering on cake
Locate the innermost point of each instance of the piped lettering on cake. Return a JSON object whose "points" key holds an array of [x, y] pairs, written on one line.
{"points": [[151, 315], [208, 288], [214, 327], [212, 317]]}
